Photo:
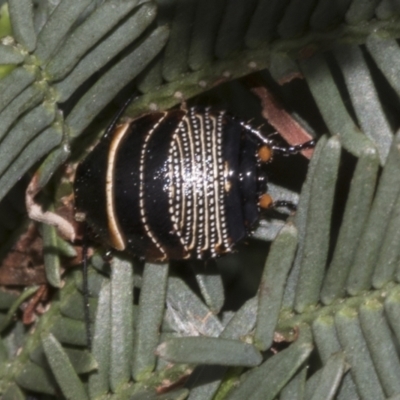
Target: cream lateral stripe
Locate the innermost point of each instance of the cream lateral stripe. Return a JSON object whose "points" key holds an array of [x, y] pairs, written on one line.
{"points": [[182, 169], [216, 182], [209, 129], [175, 181], [214, 202], [223, 181], [143, 216], [199, 183], [171, 175], [117, 241], [171, 192], [194, 189], [203, 134], [187, 192], [188, 188]]}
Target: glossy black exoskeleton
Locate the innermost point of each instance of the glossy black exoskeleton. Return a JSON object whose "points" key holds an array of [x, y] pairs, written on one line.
{"points": [[177, 184]]}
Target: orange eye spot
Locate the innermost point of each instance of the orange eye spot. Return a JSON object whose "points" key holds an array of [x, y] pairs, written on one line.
{"points": [[265, 201], [265, 153]]}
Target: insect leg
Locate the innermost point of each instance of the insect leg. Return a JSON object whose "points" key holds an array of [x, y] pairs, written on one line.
{"points": [[290, 150]]}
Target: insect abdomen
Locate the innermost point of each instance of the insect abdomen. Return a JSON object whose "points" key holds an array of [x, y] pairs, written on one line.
{"points": [[196, 197]]}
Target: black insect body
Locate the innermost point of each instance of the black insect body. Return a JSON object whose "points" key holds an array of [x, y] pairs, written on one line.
{"points": [[175, 185]]}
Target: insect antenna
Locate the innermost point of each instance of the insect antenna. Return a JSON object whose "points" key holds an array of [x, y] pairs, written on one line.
{"points": [[291, 150], [85, 281], [118, 115]]}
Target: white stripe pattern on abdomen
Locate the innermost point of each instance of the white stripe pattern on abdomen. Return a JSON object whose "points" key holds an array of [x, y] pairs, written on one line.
{"points": [[197, 181]]}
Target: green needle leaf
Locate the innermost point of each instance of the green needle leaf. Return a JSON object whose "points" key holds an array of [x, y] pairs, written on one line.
{"points": [[207, 350], [66, 377]]}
